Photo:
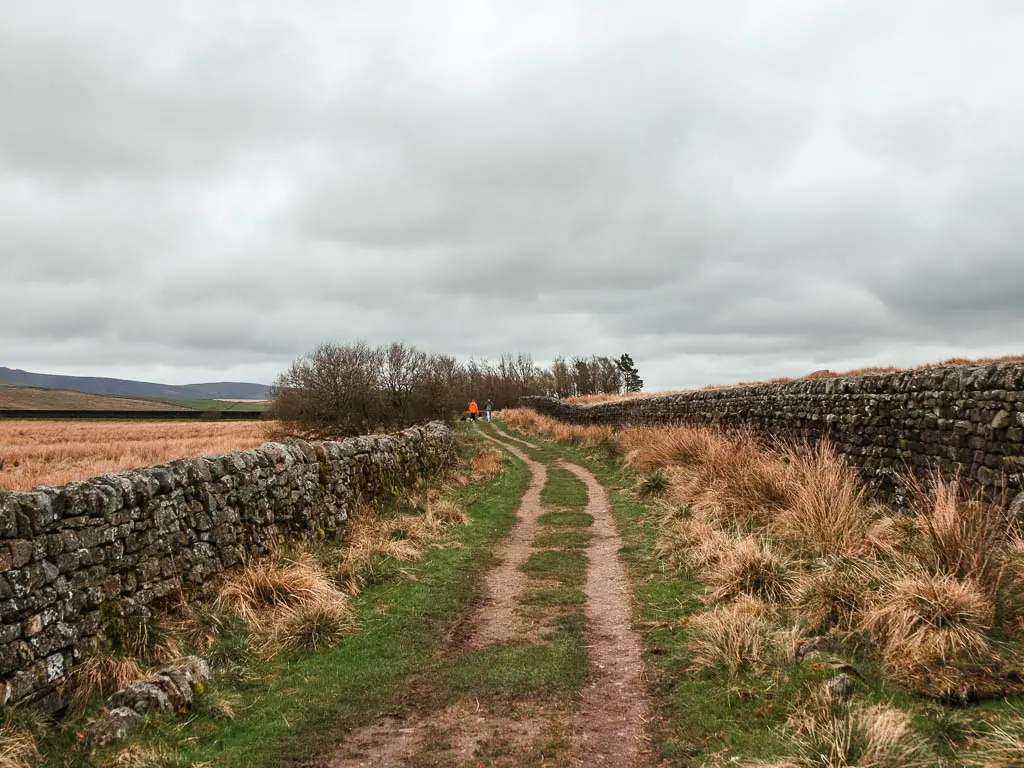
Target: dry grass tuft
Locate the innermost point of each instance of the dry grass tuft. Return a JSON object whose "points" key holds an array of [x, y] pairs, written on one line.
{"points": [[1001, 747], [658, 448], [1012, 569], [488, 464], [653, 484], [17, 747], [733, 637], [100, 675], [737, 483], [892, 536], [135, 757], [376, 543], [444, 512], [269, 593], [692, 542], [834, 592], [933, 630], [311, 626], [834, 733], [529, 421], [827, 512], [197, 625], [962, 537], [749, 567]]}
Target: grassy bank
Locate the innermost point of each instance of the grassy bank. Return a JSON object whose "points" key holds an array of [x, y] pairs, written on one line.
{"points": [[742, 682]]}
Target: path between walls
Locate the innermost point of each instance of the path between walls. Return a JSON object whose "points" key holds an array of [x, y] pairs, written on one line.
{"points": [[608, 729]]}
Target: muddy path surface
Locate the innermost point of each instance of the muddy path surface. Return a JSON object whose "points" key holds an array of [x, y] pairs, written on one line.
{"points": [[602, 725]]}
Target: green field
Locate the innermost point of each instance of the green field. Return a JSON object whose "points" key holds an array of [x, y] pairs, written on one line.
{"points": [[212, 405]]}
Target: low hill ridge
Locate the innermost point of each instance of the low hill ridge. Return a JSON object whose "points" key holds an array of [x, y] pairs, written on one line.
{"points": [[96, 385]]}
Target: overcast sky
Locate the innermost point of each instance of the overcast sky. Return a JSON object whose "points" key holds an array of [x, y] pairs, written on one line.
{"points": [[194, 191]]}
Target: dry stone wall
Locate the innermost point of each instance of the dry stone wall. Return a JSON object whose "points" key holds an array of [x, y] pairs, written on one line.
{"points": [[969, 419], [76, 559]]}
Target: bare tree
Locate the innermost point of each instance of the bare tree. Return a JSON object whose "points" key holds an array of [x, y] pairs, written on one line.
{"points": [[334, 389]]}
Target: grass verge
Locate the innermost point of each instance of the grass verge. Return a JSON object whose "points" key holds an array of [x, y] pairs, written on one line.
{"points": [[760, 713], [299, 704]]}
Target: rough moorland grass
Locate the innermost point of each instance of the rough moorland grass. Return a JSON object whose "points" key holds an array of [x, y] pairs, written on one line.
{"points": [[300, 704], [718, 716]]}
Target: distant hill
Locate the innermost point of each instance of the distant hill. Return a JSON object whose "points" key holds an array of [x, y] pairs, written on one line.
{"points": [[38, 399], [219, 390]]}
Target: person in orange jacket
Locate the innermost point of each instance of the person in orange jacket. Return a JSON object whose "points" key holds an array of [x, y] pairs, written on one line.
{"points": [[474, 409]]}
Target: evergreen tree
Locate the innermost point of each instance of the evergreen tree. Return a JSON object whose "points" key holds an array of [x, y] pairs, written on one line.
{"points": [[630, 375]]}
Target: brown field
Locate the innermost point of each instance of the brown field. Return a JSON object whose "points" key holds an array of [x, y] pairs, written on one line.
{"points": [[56, 452], [950, 363], [35, 399]]}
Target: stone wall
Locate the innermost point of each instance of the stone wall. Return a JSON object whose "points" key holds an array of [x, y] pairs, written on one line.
{"points": [[965, 418], [74, 559]]}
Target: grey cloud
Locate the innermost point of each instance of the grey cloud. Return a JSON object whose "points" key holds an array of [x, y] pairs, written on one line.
{"points": [[723, 191]]}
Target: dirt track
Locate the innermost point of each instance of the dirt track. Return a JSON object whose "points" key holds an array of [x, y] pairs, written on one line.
{"points": [[607, 729]]}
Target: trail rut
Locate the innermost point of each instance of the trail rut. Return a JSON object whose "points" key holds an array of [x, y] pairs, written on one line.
{"points": [[611, 719], [499, 621]]}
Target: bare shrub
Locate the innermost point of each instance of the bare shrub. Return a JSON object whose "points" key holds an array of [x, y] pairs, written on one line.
{"points": [[336, 389], [749, 567], [346, 389]]}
